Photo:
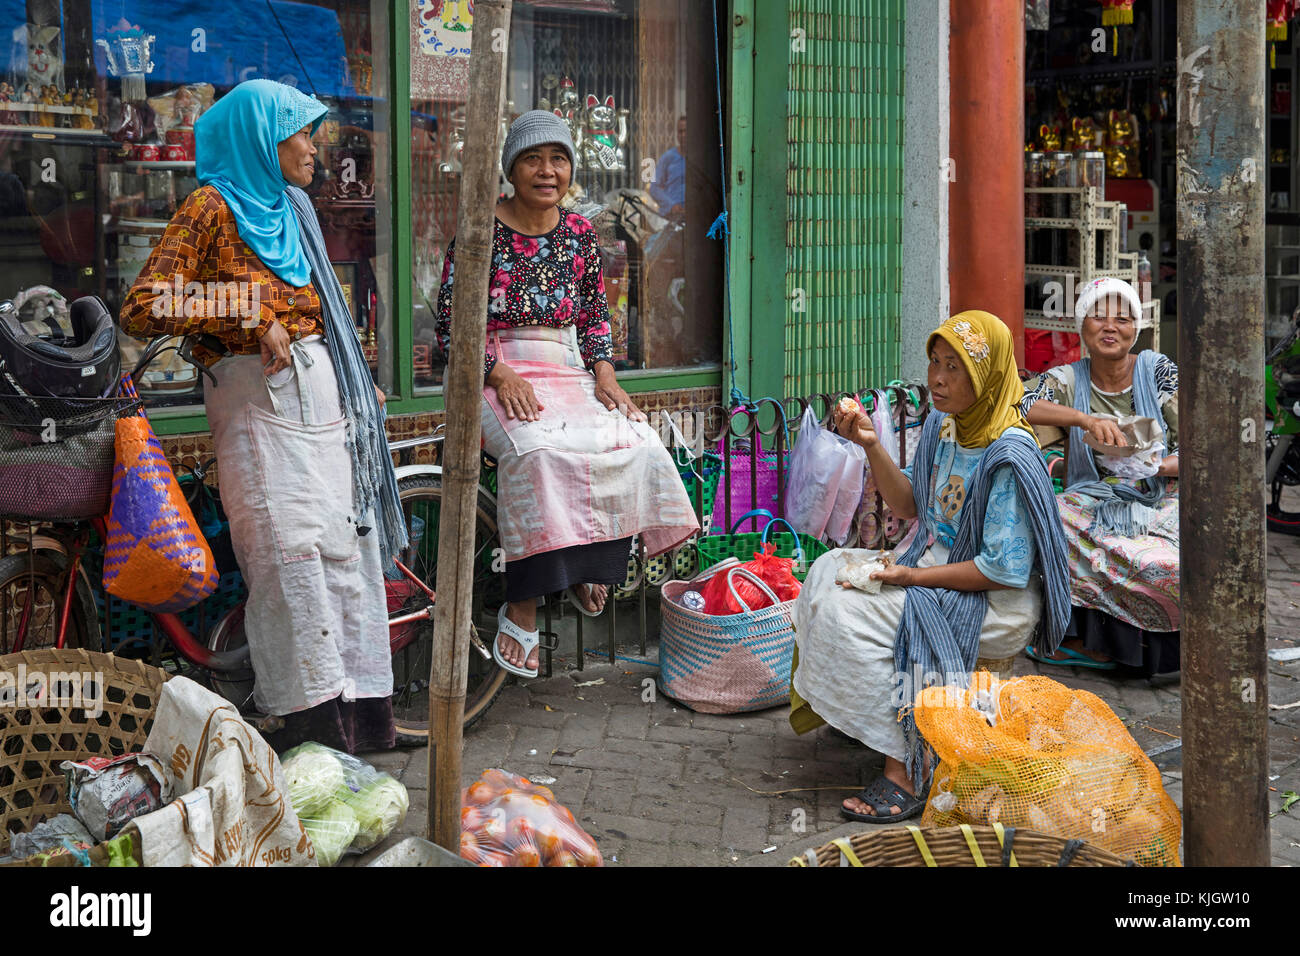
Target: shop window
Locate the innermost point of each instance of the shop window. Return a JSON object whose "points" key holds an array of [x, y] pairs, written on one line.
{"points": [[636, 78], [97, 154]]}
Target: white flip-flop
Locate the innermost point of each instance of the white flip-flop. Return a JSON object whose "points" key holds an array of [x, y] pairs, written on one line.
{"points": [[525, 639], [572, 594]]}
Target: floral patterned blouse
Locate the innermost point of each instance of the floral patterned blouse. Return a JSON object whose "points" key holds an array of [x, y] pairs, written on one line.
{"points": [[552, 280]]}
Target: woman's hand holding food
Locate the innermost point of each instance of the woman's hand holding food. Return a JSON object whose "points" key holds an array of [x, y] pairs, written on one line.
{"points": [[515, 393], [853, 423], [610, 394], [1105, 431], [895, 574]]}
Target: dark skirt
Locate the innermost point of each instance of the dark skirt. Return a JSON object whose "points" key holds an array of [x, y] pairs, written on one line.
{"points": [[604, 562], [352, 726], [1147, 653]]}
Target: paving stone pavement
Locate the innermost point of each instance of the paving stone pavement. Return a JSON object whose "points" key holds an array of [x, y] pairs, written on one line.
{"points": [[658, 785]]}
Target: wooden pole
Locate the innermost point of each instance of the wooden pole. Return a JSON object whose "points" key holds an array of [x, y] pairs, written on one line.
{"points": [[1222, 171], [462, 391]]}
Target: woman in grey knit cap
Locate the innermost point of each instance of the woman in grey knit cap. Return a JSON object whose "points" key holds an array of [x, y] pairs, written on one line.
{"points": [[579, 470]]}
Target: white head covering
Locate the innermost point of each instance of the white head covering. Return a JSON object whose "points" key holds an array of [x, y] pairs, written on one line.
{"points": [[1098, 290]]}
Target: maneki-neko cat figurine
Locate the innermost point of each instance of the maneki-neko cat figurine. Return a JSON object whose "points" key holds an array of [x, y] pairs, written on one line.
{"points": [[604, 134], [1082, 135], [1049, 138], [1121, 149]]}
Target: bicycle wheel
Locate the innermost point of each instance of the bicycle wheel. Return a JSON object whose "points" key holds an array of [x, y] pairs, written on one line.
{"points": [[40, 574], [421, 497]]}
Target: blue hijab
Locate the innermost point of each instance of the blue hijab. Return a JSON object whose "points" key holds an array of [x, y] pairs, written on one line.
{"points": [[235, 150]]}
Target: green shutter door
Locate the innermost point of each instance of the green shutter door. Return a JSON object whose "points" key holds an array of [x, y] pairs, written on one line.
{"points": [[844, 194]]}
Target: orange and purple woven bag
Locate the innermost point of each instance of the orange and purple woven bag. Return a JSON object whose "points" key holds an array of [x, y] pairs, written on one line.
{"points": [[155, 555]]}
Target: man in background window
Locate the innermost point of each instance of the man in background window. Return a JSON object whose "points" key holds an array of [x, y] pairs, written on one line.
{"points": [[669, 187]]}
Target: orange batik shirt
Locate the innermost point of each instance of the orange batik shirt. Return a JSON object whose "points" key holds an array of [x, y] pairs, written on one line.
{"points": [[203, 278]]}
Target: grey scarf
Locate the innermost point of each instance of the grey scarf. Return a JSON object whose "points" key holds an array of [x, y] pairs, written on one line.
{"points": [[1121, 509], [374, 484]]}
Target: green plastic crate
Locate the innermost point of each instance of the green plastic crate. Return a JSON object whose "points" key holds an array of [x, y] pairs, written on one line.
{"points": [[744, 545]]}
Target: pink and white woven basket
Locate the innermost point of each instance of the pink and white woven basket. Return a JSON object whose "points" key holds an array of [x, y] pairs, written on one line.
{"points": [[724, 664]]}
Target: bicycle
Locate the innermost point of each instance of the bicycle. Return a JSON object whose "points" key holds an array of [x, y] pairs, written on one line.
{"points": [[46, 598]]}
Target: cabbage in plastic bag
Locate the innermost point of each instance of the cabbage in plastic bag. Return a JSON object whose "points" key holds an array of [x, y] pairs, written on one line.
{"points": [[321, 779], [380, 807], [332, 831], [314, 776]]}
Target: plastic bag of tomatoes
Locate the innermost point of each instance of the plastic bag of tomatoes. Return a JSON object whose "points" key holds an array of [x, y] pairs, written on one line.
{"points": [[508, 821]]}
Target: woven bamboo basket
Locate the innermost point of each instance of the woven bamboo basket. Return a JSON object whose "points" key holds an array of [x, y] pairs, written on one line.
{"points": [[999, 667], [35, 740], [963, 845]]}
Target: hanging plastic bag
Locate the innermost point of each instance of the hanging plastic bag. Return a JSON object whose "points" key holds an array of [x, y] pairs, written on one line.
{"points": [[817, 466], [155, 556], [848, 495]]}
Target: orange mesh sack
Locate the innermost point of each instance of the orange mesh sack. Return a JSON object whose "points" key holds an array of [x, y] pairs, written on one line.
{"points": [[155, 556], [1031, 752]]}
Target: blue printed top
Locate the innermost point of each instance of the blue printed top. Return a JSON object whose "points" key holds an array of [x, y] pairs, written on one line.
{"points": [[1008, 553]]}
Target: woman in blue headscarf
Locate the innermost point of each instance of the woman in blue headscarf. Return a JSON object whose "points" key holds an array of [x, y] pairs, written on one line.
{"points": [[296, 420]]}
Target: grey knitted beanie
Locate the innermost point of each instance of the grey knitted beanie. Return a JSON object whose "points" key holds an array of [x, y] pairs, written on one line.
{"points": [[533, 129]]}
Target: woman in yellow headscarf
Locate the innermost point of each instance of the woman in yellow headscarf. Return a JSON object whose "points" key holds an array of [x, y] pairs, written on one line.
{"points": [[981, 570]]}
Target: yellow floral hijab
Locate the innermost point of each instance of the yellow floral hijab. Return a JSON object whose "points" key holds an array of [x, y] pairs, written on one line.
{"points": [[985, 347]]}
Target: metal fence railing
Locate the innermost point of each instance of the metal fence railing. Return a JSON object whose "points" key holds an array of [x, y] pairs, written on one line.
{"points": [[733, 462]]}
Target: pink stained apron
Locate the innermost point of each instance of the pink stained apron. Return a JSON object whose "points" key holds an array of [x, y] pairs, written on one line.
{"points": [[583, 473]]}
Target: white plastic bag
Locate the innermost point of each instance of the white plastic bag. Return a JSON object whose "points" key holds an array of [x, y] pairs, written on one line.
{"points": [[818, 464], [848, 495], [883, 422]]}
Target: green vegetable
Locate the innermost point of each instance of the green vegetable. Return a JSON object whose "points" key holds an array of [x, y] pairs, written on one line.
{"points": [[332, 830], [314, 777], [380, 808]]}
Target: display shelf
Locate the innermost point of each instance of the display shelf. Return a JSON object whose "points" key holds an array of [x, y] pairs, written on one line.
{"points": [[1096, 217], [176, 165], [92, 137]]}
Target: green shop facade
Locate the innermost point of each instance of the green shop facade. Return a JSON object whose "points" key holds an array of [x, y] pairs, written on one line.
{"points": [[788, 114]]}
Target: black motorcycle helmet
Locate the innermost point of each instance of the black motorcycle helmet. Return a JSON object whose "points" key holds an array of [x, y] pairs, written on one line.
{"points": [[85, 365]]}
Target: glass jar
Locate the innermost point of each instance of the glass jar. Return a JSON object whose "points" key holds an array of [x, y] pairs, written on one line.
{"points": [[1092, 171], [1067, 175], [1033, 179]]}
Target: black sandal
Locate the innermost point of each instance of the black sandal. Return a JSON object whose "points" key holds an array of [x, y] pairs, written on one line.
{"points": [[882, 795]]}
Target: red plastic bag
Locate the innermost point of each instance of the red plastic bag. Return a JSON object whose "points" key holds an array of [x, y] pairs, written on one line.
{"points": [[776, 572]]}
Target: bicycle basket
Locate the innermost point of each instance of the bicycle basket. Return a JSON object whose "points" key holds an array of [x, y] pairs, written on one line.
{"points": [[56, 456]]}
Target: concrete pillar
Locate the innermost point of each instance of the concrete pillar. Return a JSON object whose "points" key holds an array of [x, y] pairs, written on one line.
{"points": [[986, 228], [925, 185]]}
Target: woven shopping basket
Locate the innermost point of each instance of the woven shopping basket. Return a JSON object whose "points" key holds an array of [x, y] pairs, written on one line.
{"points": [[35, 740], [729, 663], [803, 549], [965, 845]]}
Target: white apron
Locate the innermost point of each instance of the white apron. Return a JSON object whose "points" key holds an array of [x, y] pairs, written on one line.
{"points": [[316, 619], [846, 647]]}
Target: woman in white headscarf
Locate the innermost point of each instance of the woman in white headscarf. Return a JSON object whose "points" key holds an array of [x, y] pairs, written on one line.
{"points": [[1122, 529]]}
